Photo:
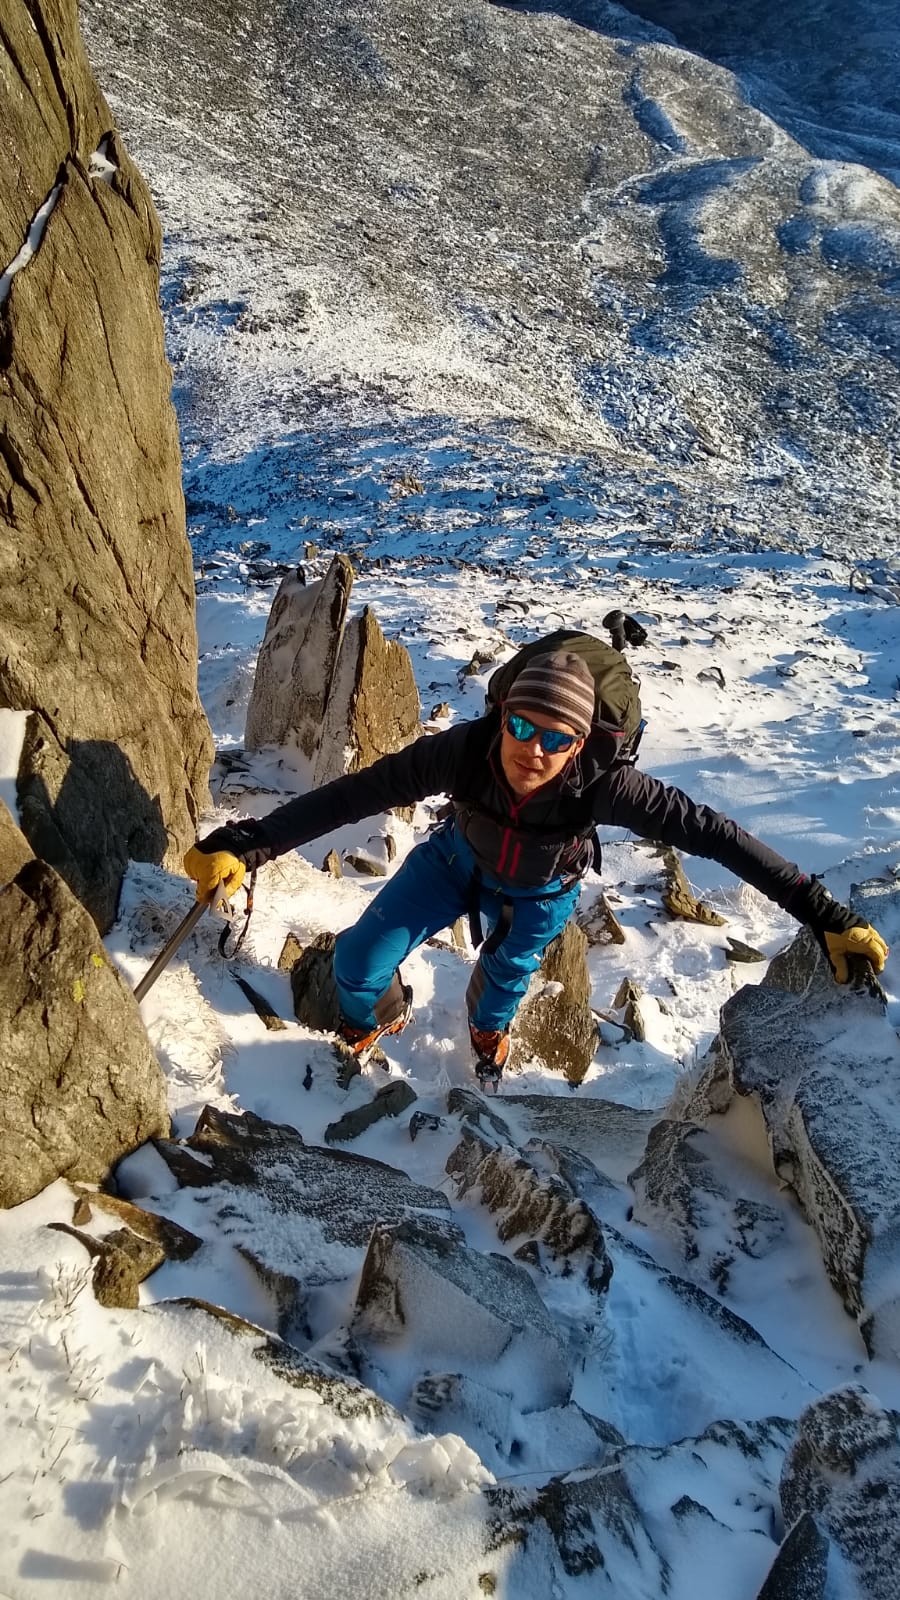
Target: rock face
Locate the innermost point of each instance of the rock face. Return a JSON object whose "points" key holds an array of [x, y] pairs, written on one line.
{"points": [[824, 1067], [14, 847], [296, 664], [555, 1023], [373, 708], [81, 1086], [94, 562], [844, 1470]]}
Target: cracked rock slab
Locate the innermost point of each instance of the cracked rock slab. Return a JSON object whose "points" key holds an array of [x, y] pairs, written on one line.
{"points": [[299, 1210]]}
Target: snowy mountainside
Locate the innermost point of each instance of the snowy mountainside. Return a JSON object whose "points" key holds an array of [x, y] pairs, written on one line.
{"points": [[825, 72], [391, 215]]}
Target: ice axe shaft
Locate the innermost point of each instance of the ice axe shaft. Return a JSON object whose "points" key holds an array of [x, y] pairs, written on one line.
{"points": [[185, 926]]}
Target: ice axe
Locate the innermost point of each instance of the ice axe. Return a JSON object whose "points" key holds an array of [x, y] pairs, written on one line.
{"points": [[189, 923], [185, 926]]}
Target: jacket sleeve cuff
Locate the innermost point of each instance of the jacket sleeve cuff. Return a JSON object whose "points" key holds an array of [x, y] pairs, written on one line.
{"points": [[246, 840], [813, 904]]}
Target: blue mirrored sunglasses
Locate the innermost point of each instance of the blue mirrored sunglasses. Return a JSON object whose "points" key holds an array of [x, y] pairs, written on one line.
{"points": [[553, 742]]}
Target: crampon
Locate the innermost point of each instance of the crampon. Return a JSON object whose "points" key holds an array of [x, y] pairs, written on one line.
{"points": [[362, 1041], [491, 1048]]}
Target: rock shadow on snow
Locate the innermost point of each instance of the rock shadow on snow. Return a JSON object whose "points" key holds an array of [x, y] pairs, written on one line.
{"points": [[72, 799]]}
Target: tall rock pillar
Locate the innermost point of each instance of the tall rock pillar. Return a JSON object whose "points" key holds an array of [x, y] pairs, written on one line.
{"points": [[97, 627]]}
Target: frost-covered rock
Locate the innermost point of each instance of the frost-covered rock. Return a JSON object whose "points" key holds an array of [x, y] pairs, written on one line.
{"points": [[555, 1228], [296, 664], [549, 1440], [823, 1064], [423, 1287], [80, 1086], [844, 1470], [684, 1187], [637, 1523], [302, 1214], [611, 1136]]}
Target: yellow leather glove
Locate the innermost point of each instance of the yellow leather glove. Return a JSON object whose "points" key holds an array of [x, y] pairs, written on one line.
{"points": [[218, 869], [862, 941]]}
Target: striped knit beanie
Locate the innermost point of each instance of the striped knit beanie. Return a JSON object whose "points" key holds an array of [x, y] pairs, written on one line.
{"points": [[558, 685]]}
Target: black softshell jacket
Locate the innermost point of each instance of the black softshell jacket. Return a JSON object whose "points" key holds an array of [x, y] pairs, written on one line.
{"points": [[532, 842]]}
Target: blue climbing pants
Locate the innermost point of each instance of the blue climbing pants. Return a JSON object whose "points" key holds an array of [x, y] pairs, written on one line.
{"points": [[431, 889]]}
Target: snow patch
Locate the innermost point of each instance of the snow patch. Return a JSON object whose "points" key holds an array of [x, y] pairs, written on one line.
{"points": [[12, 738], [32, 243]]}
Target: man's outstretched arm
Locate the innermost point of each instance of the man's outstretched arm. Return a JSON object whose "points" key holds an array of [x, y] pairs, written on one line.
{"points": [[426, 767], [655, 810]]}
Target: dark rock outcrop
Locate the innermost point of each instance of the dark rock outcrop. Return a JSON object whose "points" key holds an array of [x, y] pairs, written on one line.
{"points": [[81, 1086], [96, 587], [388, 1101], [800, 1569]]}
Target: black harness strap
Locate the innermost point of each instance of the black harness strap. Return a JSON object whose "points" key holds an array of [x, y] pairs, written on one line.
{"points": [[225, 935], [501, 927]]}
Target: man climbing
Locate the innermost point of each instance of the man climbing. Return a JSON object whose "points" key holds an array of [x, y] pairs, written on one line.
{"points": [[528, 783]]}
